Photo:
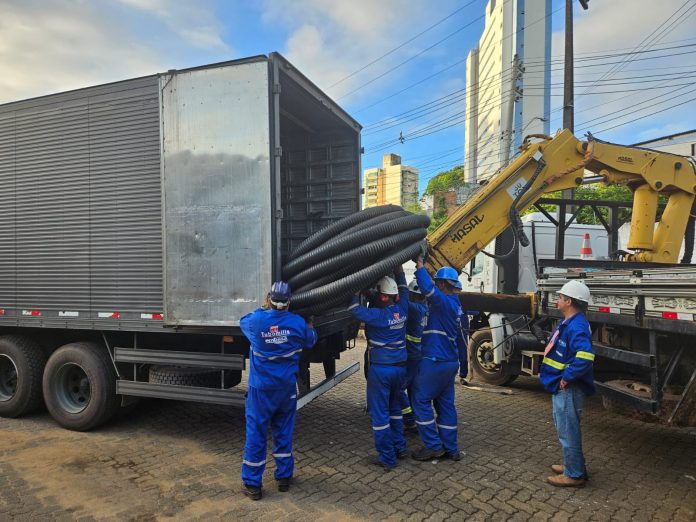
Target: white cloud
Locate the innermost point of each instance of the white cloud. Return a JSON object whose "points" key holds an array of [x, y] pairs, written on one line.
{"points": [[192, 21], [607, 28], [54, 46], [330, 40]]}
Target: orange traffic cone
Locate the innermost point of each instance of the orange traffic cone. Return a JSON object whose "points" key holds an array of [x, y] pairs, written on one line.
{"points": [[586, 249]]}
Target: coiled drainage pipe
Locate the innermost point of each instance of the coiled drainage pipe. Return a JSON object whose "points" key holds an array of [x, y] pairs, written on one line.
{"points": [[327, 268]]}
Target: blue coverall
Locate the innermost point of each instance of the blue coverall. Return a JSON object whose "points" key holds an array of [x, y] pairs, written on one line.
{"points": [[569, 356], [385, 329], [277, 339], [417, 318], [462, 341], [434, 382]]}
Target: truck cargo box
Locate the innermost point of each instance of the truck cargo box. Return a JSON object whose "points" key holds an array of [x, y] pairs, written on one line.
{"points": [[166, 200]]}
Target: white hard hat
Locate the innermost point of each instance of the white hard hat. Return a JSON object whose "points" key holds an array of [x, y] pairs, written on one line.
{"points": [[413, 287], [387, 286], [576, 290]]}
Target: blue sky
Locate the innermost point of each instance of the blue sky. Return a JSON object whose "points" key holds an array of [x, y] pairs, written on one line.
{"points": [[54, 45]]}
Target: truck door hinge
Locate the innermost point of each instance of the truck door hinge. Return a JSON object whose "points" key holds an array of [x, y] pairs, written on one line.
{"points": [[278, 152]]}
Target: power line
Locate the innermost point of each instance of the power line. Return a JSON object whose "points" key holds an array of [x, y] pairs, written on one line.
{"points": [[403, 44]]}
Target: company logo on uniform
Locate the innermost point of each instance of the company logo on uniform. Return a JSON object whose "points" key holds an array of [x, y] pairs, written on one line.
{"points": [[275, 335], [397, 322]]}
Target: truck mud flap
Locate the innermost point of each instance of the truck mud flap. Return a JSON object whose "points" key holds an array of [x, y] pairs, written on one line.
{"points": [[327, 384]]}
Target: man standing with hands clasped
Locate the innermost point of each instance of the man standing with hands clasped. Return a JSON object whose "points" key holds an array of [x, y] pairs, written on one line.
{"points": [[566, 372]]}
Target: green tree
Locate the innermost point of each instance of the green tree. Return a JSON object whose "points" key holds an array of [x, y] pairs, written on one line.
{"points": [[446, 180], [586, 215], [415, 208]]}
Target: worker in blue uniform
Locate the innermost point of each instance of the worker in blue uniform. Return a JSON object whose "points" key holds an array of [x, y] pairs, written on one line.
{"points": [[417, 318], [277, 338], [385, 329], [566, 372], [434, 383]]}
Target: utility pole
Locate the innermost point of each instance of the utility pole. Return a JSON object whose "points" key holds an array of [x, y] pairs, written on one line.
{"points": [[568, 102], [568, 79]]}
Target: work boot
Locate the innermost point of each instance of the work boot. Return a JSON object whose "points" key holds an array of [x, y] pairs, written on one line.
{"points": [[559, 469], [284, 484], [457, 456], [463, 381], [376, 462], [425, 454], [564, 481], [252, 492]]}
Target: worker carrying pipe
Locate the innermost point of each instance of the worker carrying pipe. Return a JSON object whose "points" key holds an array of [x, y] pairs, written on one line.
{"points": [[277, 338], [434, 382], [385, 329]]}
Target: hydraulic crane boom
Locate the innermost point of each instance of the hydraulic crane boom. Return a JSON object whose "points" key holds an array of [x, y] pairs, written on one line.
{"points": [[559, 163]]}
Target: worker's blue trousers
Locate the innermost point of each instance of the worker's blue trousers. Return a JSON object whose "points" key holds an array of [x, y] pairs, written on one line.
{"points": [[434, 384], [406, 395], [276, 408], [383, 391]]}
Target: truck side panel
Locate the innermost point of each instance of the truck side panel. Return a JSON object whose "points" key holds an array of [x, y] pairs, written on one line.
{"points": [[217, 193], [80, 226]]}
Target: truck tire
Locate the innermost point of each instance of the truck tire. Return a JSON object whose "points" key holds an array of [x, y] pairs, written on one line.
{"points": [[22, 364], [79, 386], [481, 354], [182, 376]]}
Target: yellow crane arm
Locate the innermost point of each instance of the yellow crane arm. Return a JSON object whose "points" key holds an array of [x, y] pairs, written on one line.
{"points": [[559, 163]]}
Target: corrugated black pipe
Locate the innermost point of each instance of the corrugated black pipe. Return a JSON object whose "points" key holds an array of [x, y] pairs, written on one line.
{"points": [[360, 256], [336, 228], [340, 291], [349, 241]]}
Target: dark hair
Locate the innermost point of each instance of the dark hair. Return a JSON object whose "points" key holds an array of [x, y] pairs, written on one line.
{"points": [[578, 305]]}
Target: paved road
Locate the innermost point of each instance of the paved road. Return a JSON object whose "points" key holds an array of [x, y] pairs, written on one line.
{"points": [[172, 460]]}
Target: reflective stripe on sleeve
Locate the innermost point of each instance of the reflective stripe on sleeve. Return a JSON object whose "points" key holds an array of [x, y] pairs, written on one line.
{"points": [[254, 464], [378, 428], [271, 357], [395, 417], [554, 364], [432, 421], [282, 455], [430, 293], [438, 332], [585, 355], [443, 426], [354, 305], [413, 339]]}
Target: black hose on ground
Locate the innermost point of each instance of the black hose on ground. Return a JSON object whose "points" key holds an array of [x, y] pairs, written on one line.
{"points": [[360, 256], [333, 229], [350, 241], [338, 292]]}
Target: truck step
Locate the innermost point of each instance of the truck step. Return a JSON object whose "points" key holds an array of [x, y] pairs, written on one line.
{"points": [[644, 360], [623, 394], [231, 397], [216, 361]]}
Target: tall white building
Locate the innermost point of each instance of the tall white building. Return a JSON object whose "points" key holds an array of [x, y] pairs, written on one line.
{"points": [[508, 83]]}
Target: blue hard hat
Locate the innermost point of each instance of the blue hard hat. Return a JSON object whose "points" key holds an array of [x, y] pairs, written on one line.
{"points": [[448, 274], [280, 292], [458, 285]]}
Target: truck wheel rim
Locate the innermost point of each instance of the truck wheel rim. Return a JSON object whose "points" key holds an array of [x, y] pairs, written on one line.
{"points": [[484, 356], [72, 388], [8, 378]]}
